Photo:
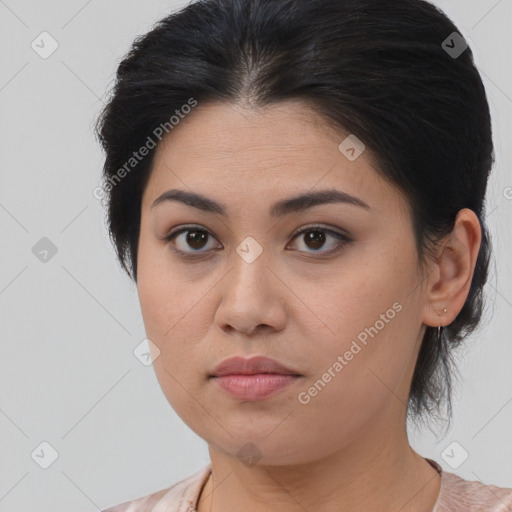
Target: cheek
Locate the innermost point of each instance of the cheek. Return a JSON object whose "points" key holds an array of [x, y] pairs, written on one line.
{"points": [[158, 289], [348, 302], [369, 323], [356, 381], [173, 315], [167, 324]]}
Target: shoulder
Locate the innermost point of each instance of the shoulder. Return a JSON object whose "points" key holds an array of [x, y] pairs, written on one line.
{"points": [[459, 494], [177, 498]]}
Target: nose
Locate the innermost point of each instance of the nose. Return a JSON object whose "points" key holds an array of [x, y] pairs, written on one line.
{"points": [[252, 298]]}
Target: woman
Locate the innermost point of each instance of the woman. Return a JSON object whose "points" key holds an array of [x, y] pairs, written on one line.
{"points": [[297, 189]]}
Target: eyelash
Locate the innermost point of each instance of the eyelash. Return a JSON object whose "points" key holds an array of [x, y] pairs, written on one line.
{"points": [[342, 240]]}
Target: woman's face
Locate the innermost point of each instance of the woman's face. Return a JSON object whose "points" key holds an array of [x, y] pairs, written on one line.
{"points": [[344, 312]]}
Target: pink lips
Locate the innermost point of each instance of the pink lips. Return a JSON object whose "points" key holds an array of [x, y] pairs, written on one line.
{"points": [[255, 378]]}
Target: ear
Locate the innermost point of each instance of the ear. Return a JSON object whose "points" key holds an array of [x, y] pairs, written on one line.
{"points": [[451, 274]]}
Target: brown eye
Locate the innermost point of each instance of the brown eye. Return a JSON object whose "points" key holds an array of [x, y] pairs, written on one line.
{"points": [[316, 237], [190, 240], [196, 238]]}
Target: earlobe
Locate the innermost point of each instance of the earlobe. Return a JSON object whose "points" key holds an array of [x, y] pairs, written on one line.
{"points": [[440, 326], [447, 294]]}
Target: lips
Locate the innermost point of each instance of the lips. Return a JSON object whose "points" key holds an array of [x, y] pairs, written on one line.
{"points": [[255, 365]]}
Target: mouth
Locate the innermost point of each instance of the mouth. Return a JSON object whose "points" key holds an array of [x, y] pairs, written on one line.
{"points": [[255, 386], [255, 365], [256, 378]]}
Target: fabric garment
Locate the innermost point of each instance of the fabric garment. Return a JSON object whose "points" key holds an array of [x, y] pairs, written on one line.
{"points": [[456, 495]]}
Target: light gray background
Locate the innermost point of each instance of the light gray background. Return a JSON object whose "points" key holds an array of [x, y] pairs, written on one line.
{"points": [[69, 326]]}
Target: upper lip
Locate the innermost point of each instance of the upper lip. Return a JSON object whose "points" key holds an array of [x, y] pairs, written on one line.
{"points": [[257, 364]]}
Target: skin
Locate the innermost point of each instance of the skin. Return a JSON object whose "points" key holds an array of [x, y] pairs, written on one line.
{"points": [[347, 449]]}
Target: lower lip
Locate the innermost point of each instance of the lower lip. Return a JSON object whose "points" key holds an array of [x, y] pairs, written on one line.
{"points": [[255, 387]]}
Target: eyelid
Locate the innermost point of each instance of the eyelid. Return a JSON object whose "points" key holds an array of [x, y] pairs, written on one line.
{"points": [[310, 227], [342, 240], [184, 228], [181, 228]]}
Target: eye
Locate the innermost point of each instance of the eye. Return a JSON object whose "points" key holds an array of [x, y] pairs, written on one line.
{"points": [[315, 237], [195, 238]]}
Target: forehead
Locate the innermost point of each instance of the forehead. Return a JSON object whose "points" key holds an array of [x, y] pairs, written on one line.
{"points": [[226, 150], [226, 130]]}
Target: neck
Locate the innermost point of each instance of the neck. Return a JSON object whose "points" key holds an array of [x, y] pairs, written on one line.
{"points": [[374, 475]]}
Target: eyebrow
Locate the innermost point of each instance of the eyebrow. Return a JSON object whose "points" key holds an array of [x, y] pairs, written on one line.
{"points": [[283, 207]]}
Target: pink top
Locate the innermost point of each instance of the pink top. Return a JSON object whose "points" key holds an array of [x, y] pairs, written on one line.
{"points": [[456, 495]]}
